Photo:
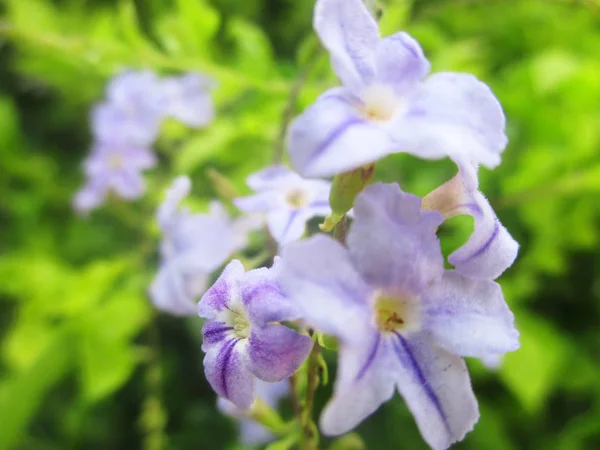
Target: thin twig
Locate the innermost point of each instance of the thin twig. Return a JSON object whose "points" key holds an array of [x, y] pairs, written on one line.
{"points": [[290, 107]]}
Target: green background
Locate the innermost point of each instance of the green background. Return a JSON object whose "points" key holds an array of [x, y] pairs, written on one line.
{"points": [[85, 362]]}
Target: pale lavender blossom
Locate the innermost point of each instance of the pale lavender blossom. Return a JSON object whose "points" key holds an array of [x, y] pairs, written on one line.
{"points": [[388, 104], [187, 98], [133, 110], [253, 433], [242, 336], [402, 320], [288, 200], [193, 246], [491, 249], [113, 167]]}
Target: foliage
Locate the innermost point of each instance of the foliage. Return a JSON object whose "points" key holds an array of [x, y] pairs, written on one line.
{"points": [[86, 363]]}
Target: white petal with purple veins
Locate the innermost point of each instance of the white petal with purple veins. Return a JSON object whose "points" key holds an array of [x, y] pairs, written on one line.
{"points": [[319, 278], [275, 352], [331, 137], [350, 34], [455, 115], [226, 371], [470, 317], [436, 387], [400, 62]]}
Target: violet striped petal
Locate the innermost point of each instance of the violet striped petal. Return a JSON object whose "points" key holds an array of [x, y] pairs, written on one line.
{"points": [[452, 115], [436, 387], [331, 137], [218, 297], [400, 62], [286, 225], [214, 332], [366, 379], [226, 371], [275, 352], [350, 34], [469, 317]]}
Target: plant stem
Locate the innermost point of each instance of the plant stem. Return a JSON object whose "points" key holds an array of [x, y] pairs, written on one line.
{"points": [[340, 230], [310, 434]]}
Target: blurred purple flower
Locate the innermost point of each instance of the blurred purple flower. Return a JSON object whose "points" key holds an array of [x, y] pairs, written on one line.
{"points": [[242, 338], [133, 110], [193, 246], [401, 319], [252, 433], [116, 168], [491, 249], [386, 105], [187, 98], [288, 200]]}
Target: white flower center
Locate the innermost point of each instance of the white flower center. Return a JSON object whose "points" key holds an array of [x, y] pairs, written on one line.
{"points": [[379, 102], [296, 198], [395, 313]]}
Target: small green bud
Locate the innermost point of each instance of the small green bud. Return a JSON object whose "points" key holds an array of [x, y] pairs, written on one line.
{"points": [[346, 186]]}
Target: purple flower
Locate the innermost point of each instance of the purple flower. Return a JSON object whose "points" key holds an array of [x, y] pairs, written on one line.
{"points": [[387, 105], [288, 200], [132, 112], [491, 249], [113, 167], [193, 246], [251, 432], [187, 98], [401, 319], [242, 338]]}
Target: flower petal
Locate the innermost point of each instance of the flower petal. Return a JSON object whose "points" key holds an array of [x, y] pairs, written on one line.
{"points": [[226, 372], [317, 275], [286, 225], [400, 62], [331, 137], [179, 189], [271, 178], [392, 241], [225, 288], [470, 317], [491, 249], [436, 387], [261, 202], [350, 34], [365, 380], [263, 298], [170, 292], [213, 333], [453, 115], [276, 352]]}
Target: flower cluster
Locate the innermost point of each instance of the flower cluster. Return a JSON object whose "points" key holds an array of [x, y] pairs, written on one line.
{"points": [[403, 321], [126, 124]]}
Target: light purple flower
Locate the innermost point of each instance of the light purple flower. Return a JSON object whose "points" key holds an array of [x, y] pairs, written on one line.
{"points": [[187, 98], [242, 337], [132, 112], [387, 105], [491, 249], [288, 200], [251, 432], [401, 319], [193, 246], [113, 167]]}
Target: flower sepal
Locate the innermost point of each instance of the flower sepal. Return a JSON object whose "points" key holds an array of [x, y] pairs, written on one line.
{"points": [[345, 187]]}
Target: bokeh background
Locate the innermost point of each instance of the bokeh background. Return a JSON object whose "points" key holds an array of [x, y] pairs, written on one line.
{"points": [[85, 361]]}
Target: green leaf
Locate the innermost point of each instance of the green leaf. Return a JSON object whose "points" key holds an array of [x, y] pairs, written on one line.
{"points": [[205, 145], [22, 393], [532, 371]]}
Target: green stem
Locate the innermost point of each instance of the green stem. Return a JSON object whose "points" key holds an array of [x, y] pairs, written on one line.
{"points": [[340, 230], [310, 433]]}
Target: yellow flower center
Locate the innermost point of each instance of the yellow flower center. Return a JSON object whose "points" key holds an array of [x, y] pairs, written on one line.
{"points": [[241, 327], [379, 102], [395, 313], [296, 199], [115, 161]]}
